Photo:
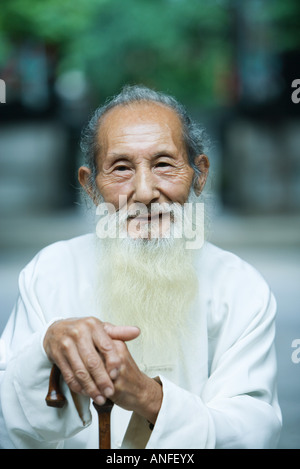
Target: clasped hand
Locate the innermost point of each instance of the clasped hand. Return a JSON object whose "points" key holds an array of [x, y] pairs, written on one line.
{"points": [[95, 361]]}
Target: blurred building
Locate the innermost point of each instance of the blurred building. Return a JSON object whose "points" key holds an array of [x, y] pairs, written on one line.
{"points": [[261, 137], [39, 132]]}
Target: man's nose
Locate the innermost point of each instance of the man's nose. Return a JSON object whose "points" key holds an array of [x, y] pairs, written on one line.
{"points": [[145, 188]]}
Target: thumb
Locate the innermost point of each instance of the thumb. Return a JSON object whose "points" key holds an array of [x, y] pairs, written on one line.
{"points": [[121, 332]]}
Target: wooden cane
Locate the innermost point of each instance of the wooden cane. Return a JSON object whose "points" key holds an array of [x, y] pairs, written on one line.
{"points": [[104, 423], [55, 398]]}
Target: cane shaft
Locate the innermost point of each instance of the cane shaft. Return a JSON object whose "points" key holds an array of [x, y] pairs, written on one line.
{"points": [[55, 398], [104, 412]]}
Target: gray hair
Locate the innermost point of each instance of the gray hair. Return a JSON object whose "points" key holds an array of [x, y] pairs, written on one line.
{"points": [[194, 136]]}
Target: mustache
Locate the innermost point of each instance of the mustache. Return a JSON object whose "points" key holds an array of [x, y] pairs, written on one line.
{"points": [[153, 211]]}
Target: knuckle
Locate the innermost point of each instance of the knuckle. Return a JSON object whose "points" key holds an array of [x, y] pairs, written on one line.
{"points": [[69, 379], [106, 345], [66, 343], [75, 332], [107, 326], [113, 361], [92, 362], [92, 321], [72, 383], [82, 375]]}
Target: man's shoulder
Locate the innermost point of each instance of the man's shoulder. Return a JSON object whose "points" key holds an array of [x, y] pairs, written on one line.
{"points": [[61, 254], [220, 258], [235, 291], [76, 243], [225, 268], [74, 247], [59, 280]]}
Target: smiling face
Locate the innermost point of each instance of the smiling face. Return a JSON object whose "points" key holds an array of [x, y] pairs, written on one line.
{"points": [[142, 156]]}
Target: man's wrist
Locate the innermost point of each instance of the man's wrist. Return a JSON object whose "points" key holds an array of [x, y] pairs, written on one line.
{"points": [[152, 401]]}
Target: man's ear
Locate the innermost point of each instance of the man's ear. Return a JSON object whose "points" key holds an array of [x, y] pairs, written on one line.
{"points": [[84, 177], [202, 164]]}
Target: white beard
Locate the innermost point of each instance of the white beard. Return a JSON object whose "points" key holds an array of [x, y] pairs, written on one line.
{"points": [[152, 284]]}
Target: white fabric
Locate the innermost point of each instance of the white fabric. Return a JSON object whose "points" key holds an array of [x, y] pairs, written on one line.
{"points": [[219, 393]]}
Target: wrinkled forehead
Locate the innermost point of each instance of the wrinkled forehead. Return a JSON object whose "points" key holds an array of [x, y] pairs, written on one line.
{"points": [[139, 121]]}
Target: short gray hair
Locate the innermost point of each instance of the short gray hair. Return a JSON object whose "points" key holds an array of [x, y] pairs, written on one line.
{"points": [[194, 136]]}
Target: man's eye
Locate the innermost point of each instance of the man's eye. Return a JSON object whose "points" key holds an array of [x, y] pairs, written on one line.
{"points": [[162, 164], [121, 168]]}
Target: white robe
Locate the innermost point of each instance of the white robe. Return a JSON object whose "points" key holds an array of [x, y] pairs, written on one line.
{"points": [[219, 393]]}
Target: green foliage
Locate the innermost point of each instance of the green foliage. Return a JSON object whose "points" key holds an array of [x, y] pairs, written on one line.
{"points": [[183, 47], [166, 44], [285, 17], [172, 45], [53, 21]]}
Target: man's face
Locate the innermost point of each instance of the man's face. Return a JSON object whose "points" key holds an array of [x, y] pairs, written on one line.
{"points": [[143, 158]]}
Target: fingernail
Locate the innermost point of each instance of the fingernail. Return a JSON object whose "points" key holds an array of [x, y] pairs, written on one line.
{"points": [[99, 400], [114, 373], [108, 392]]}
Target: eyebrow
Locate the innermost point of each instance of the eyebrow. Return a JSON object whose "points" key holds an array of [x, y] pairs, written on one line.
{"points": [[163, 153], [114, 157]]}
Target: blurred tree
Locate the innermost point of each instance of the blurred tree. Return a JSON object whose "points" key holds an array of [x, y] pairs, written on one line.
{"points": [[285, 17], [52, 21], [176, 45], [185, 47]]}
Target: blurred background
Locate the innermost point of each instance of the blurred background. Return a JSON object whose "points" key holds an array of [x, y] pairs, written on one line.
{"points": [[232, 63]]}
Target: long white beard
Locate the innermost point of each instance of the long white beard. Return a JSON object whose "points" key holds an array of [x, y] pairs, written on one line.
{"points": [[151, 284]]}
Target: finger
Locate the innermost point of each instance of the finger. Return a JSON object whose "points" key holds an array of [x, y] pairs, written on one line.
{"points": [[112, 357], [124, 333], [79, 379], [96, 368], [68, 376], [108, 352], [60, 358]]}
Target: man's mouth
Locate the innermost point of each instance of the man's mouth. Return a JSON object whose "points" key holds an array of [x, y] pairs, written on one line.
{"points": [[149, 217]]}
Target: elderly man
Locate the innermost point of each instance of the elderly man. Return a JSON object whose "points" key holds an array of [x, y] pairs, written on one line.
{"points": [[179, 337]]}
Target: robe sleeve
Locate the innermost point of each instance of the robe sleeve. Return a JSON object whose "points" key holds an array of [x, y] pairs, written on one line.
{"points": [[237, 407], [25, 420]]}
